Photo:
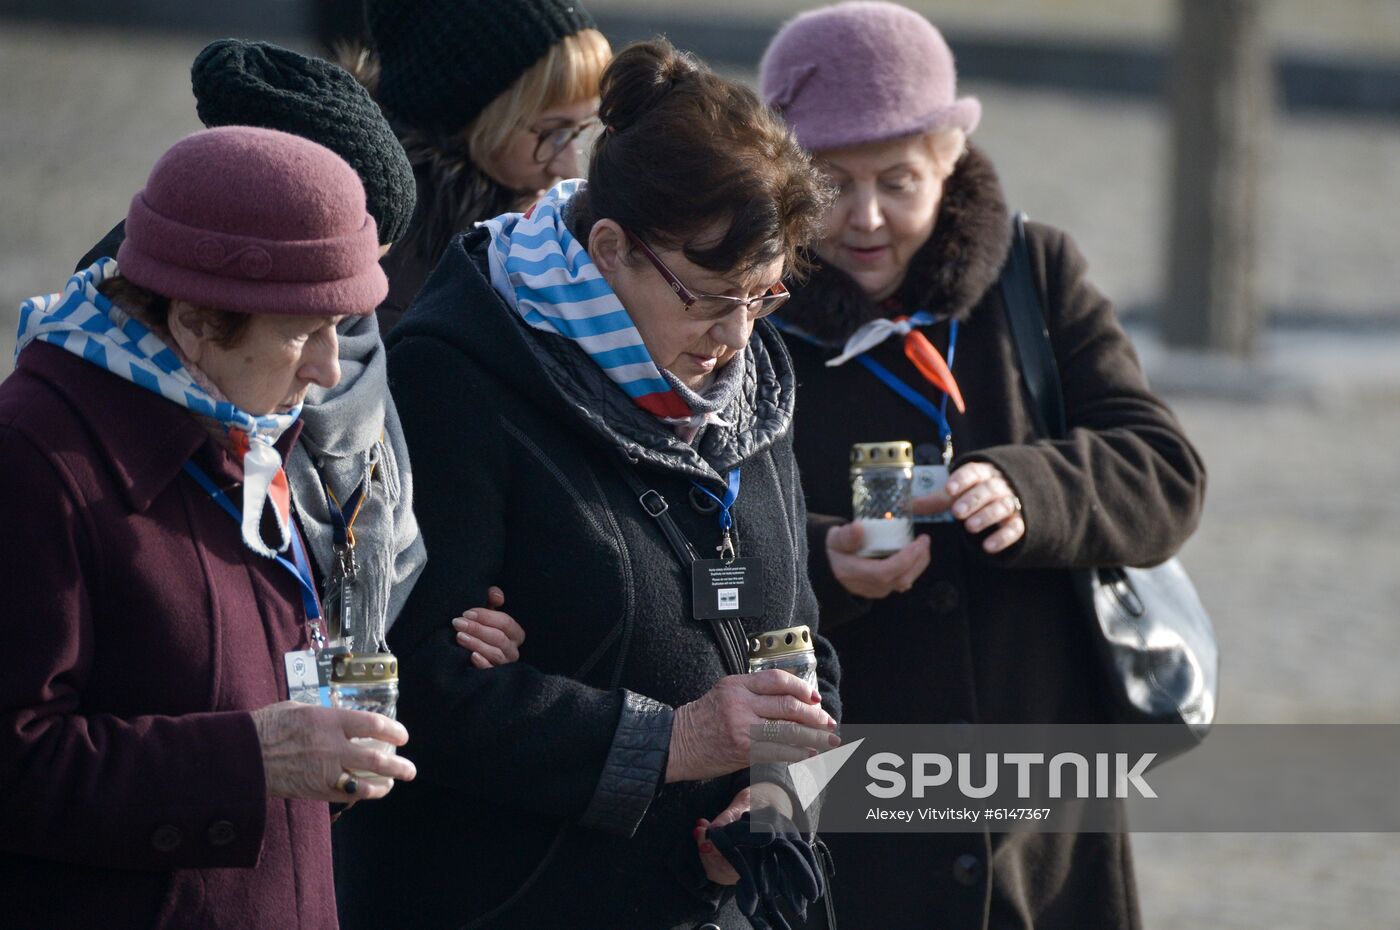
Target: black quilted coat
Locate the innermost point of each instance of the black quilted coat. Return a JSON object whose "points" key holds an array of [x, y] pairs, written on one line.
{"points": [[539, 801]]}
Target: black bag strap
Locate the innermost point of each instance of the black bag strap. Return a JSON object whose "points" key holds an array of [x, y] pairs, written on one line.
{"points": [[659, 510], [733, 642], [828, 864], [1039, 371]]}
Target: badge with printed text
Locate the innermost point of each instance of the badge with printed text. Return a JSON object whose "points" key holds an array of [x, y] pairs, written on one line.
{"points": [[722, 589]]}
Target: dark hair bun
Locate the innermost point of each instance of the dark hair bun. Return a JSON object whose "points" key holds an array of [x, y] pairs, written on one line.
{"points": [[639, 78], [688, 154]]}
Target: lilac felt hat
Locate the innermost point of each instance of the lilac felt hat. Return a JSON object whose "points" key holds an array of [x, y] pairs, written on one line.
{"points": [[863, 72], [256, 221]]}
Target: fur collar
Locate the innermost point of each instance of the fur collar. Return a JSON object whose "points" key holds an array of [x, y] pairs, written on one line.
{"points": [[947, 276]]}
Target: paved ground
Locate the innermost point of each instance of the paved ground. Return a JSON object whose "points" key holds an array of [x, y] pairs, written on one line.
{"points": [[79, 136], [1296, 559], [1298, 551], [1365, 26]]}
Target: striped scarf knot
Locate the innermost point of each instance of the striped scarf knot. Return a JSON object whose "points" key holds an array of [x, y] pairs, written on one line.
{"points": [[542, 271], [84, 322]]}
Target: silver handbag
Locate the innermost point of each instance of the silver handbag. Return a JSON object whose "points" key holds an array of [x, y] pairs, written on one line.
{"points": [[1155, 640]]}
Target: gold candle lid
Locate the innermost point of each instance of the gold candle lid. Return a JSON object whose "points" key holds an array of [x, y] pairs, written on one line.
{"points": [[365, 669], [776, 643], [893, 454]]}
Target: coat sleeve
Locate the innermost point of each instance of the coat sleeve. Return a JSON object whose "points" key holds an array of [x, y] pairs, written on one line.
{"points": [[97, 788], [1124, 486], [838, 606], [410, 555], [512, 734], [828, 666]]}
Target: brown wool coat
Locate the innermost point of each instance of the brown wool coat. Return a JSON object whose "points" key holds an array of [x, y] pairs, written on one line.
{"points": [[139, 632], [981, 638]]}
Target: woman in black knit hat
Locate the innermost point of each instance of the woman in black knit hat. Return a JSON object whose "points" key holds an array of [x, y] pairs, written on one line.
{"points": [[490, 99]]}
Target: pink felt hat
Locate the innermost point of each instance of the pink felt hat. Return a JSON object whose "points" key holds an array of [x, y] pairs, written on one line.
{"points": [[863, 72], [256, 221]]}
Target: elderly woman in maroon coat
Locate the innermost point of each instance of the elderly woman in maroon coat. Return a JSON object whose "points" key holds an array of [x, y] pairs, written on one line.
{"points": [[975, 620], [160, 611]]}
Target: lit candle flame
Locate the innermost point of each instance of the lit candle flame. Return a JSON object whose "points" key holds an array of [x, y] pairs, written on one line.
{"points": [[889, 515]]}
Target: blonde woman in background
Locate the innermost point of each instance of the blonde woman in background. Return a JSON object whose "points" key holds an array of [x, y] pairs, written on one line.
{"points": [[492, 101]]}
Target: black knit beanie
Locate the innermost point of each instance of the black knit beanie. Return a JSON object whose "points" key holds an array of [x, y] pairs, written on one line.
{"points": [[443, 61], [240, 83]]}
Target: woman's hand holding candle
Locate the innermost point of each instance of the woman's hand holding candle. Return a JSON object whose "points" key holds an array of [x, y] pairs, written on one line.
{"points": [[885, 536], [868, 577], [713, 735]]}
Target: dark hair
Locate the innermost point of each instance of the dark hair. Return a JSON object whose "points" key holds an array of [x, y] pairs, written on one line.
{"points": [[153, 310], [684, 149]]}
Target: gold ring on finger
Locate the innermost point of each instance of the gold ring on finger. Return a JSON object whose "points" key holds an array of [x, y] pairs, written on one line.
{"points": [[347, 783]]}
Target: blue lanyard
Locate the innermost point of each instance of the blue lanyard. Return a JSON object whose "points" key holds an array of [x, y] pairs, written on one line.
{"points": [[301, 570], [727, 550], [938, 414], [731, 494]]}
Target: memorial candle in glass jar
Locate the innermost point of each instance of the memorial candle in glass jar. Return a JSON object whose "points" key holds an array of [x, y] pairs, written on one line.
{"points": [[882, 482]]}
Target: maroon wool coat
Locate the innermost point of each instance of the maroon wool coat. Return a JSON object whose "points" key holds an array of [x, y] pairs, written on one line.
{"points": [[138, 633]]}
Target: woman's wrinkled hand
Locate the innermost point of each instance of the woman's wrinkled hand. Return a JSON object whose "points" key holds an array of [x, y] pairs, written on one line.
{"points": [[307, 749], [492, 636], [873, 578], [713, 736], [980, 497]]}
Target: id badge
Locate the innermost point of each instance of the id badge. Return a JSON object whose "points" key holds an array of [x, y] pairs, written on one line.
{"points": [[720, 590], [303, 676], [930, 479]]}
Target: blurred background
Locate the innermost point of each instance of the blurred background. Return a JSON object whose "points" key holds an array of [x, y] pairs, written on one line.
{"points": [[1231, 168]]}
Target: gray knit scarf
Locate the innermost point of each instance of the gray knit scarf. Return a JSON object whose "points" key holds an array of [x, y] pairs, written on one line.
{"points": [[341, 444], [716, 397]]}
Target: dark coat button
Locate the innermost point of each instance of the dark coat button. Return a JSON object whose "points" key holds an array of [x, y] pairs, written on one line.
{"points": [[967, 869], [221, 833], [167, 839], [943, 597], [702, 503]]}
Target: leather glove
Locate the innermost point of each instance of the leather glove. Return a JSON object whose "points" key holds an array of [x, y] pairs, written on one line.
{"points": [[775, 864]]}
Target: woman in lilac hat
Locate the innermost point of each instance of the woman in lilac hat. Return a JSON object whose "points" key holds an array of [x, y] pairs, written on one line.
{"points": [[902, 333], [163, 760]]}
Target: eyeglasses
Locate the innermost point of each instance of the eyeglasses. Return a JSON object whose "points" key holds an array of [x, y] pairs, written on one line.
{"points": [[714, 306], [553, 141]]}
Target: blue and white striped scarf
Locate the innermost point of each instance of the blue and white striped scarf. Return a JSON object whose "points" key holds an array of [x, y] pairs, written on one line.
{"points": [[541, 270], [84, 322]]}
